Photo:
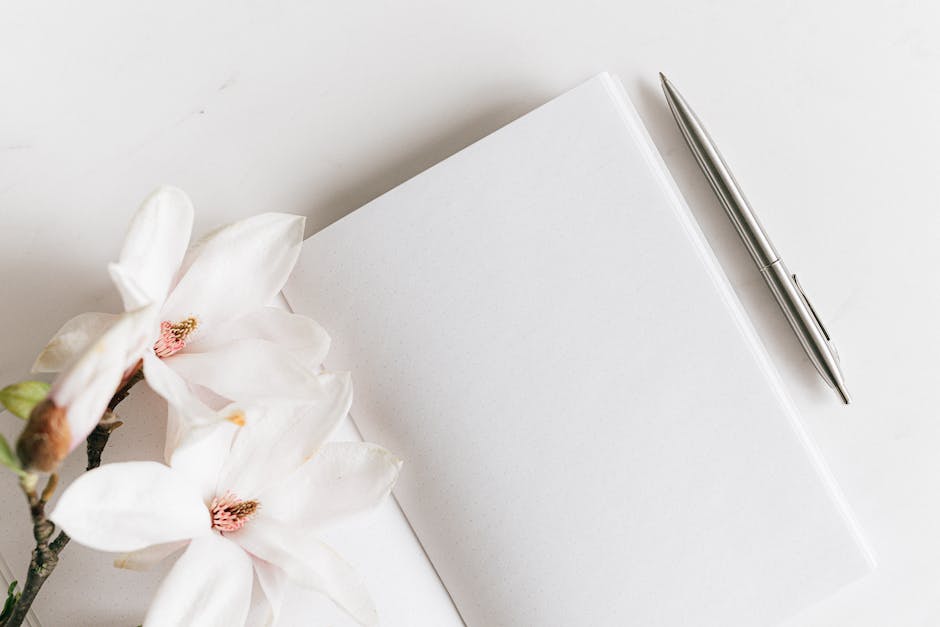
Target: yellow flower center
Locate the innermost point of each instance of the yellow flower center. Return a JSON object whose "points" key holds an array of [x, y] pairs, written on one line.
{"points": [[173, 336]]}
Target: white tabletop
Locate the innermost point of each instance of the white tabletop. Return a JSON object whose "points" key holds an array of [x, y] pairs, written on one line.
{"points": [[826, 111]]}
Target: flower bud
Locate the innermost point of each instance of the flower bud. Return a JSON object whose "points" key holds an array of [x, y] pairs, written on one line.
{"points": [[47, 438], [79, 396]]}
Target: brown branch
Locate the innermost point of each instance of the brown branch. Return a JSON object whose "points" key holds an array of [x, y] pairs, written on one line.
{"points": [[135, 377], [46, 554], [43, 562]]}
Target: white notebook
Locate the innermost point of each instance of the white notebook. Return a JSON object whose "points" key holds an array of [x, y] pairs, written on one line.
{"points": [[593, 433]]}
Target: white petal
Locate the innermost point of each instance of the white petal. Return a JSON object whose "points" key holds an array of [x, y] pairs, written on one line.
{"points": [[343, 479], [267, 595], [260, 612], [236, 269], [155, 244], [273, 582], [200, 457], [309, 563], [175, 433], [306, 340], [86, 386], [248, 370], [132, 294], [74, 337], [183, 435], [165, 382], [146, 558], [131, 505], [209, 398], [278, 439], [210, 585]]}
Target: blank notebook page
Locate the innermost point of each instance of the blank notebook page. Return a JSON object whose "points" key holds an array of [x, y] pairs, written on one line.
{"points": [[592, 433]]}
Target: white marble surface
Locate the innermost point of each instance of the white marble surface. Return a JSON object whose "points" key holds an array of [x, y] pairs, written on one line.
{"points": [[827, 111]]}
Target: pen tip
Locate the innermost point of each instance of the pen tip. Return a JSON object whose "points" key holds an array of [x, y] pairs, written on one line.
{"points": [[662, 77], [844, 395]]}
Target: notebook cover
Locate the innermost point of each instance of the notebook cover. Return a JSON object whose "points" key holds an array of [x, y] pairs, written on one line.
{"points": [[593, 433]]}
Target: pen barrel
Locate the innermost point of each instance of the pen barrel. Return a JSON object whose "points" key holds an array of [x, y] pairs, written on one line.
{"points": [[739, 210], [803, 320], [721, 180], [805, 323]]}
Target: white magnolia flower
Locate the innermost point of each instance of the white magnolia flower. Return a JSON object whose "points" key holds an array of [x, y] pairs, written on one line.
{"points": [[80, 394], [212, 327], [246, 503]]}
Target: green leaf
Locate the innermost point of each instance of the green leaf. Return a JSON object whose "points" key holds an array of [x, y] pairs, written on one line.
{"points": [[20, 398], [9, 459], [12, 597]]}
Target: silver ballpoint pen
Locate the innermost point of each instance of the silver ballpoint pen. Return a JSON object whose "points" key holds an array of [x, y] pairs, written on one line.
{"points": [[785, 287]]}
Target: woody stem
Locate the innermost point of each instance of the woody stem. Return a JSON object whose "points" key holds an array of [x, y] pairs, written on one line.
{"points": [[46, 554]]}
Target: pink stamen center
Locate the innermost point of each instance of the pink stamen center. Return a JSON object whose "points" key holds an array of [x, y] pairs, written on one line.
{"points": [[229, 513], [173, 336]]}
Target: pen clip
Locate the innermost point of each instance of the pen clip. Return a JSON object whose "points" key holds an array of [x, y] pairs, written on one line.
{"points": [[809, 305]]}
